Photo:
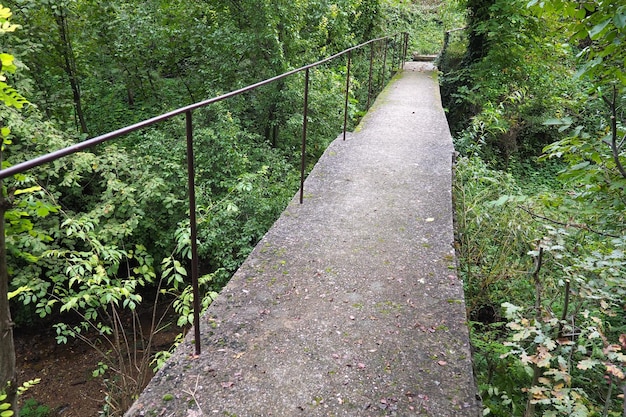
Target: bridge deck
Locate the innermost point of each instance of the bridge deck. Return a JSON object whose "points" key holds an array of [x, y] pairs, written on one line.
{"points": [[350, 305]]}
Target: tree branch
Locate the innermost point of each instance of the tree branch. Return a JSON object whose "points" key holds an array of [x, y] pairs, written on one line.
{"points": [[537, 282], [615, 148], [530, 406], [565, 307], [568, 224]]}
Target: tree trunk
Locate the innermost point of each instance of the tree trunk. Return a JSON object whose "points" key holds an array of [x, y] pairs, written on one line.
{"points": [[479, 11], [8, 374], [69, 66]]}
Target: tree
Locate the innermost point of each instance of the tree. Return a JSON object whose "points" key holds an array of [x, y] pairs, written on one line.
{"points": [[367, 20], [11, 98], [497, 97], [50, 33], [479, 12], [66, 51], [596, 131]]}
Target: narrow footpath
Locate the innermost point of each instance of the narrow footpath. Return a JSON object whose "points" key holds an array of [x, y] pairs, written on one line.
{"points": [[350, 305]]}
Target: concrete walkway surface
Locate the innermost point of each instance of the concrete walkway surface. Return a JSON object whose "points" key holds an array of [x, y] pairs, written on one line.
{"points": [[350, 305]]}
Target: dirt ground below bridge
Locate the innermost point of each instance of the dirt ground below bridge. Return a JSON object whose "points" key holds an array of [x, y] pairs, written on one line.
{"points": [[67, 387]]}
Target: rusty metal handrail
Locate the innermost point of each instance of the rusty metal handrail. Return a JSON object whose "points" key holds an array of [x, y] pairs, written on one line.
{"points": [[187, 111], [446, 43]]}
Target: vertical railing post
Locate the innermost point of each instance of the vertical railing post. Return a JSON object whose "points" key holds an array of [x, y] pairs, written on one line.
{"points": [[385, 62], [345, 106], [395, 51], [406, 48], [369, 87], [444, 50], [193, 230], [304, 127], [400, 49]]}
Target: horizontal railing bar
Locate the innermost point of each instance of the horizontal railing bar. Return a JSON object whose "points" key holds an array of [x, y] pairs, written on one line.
{"points": [[456, 29], [89, 143]]}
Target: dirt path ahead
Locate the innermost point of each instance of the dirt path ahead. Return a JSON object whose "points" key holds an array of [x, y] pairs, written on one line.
{"points": [[350, 305]]}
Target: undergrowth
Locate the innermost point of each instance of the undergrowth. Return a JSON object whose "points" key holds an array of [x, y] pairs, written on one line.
{"points": [[545, 298]]}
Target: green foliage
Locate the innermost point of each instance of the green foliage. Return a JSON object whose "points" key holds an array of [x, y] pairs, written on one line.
{"points": [[565, 344], [5, 406], [499, 376], [486, 207], [592, 173], [32, 408], [497, 98], [106, 248], [102, 233], [566, 354], [423, 20], [8, 95], [16, 217], [592, 126], [366, 20], [94, 267], [545, 352], [96, 260], [600, 27]]}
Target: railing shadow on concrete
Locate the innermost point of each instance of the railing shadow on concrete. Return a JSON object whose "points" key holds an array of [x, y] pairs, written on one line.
{"points": [[399, 46]]}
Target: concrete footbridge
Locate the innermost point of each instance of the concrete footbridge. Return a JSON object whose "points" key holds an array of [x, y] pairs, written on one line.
{"points": [[350, 305]]}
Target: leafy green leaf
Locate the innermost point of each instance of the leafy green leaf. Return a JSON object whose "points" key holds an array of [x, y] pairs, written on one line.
{"points": [[179, 268], [620, 20], [595, 31], [28, 190], [559, 122], [580, 166], [18, 291]]}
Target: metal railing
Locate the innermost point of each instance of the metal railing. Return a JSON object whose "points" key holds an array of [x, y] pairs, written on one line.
{"points": [[398, 58], [446, 43]]}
